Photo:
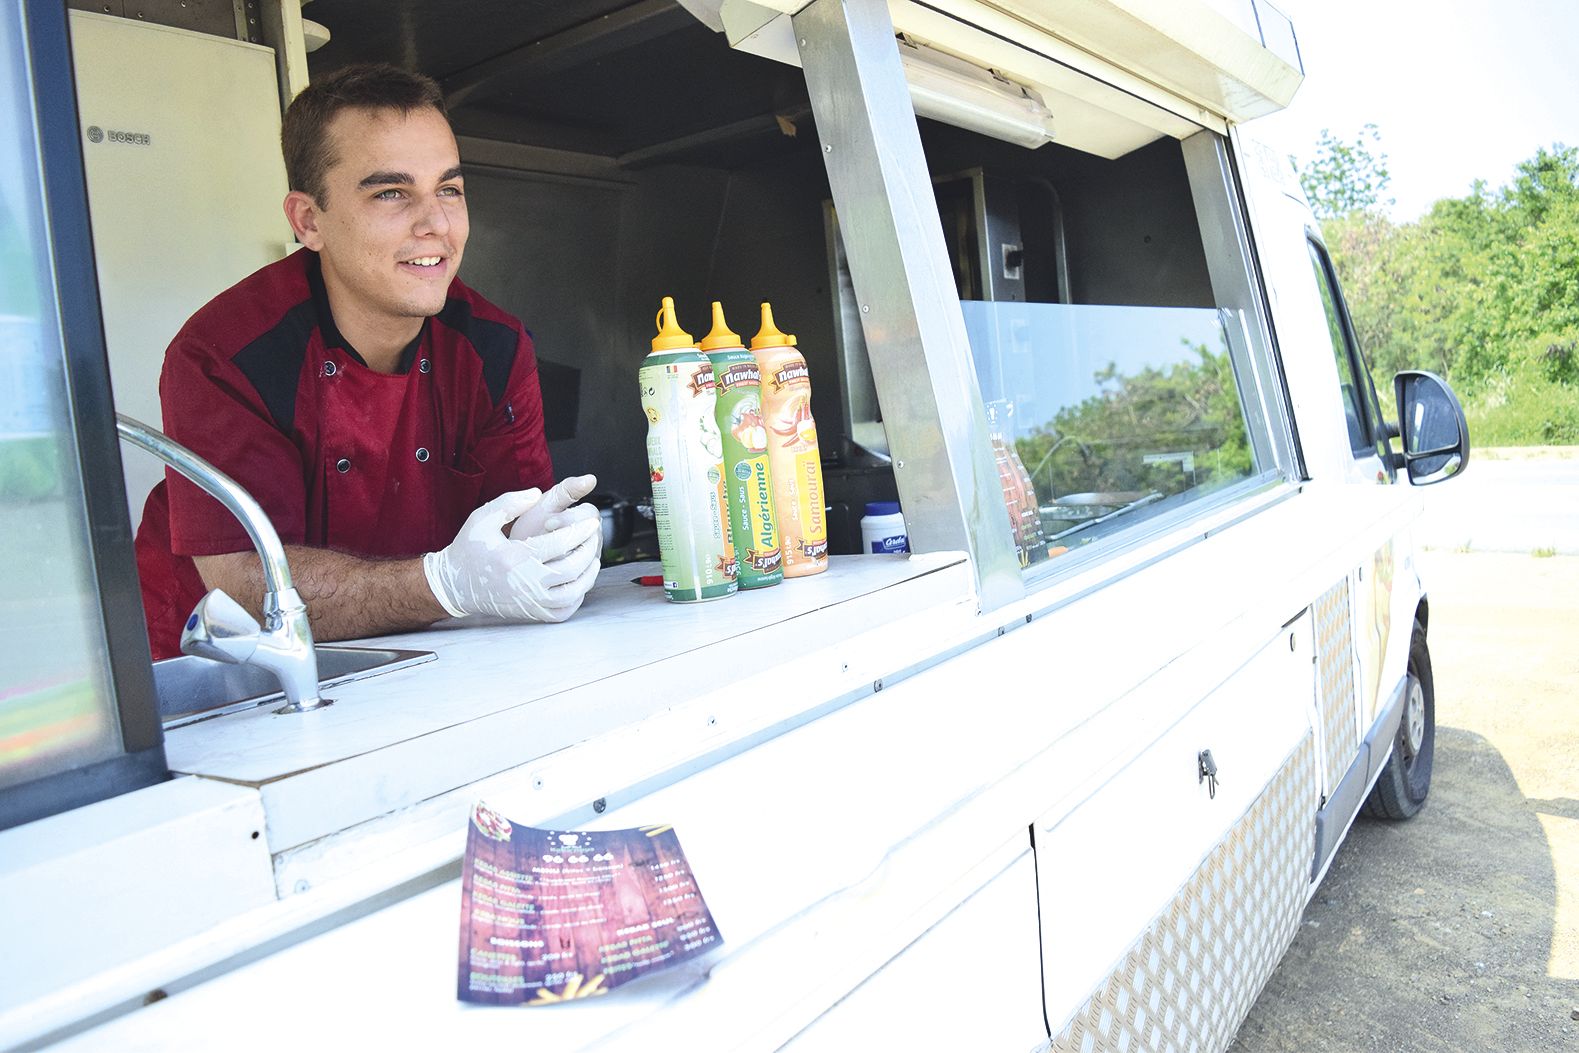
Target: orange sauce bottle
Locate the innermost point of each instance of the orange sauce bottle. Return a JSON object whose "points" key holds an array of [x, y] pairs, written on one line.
{"points": [[793, 460]]}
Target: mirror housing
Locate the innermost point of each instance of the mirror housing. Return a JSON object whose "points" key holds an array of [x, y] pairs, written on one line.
{"points": [[1434, 433]]}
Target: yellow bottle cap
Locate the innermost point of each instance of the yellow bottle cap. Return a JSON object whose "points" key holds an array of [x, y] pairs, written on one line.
{"points": [[670, 336], [769, 335], [721, 336]]}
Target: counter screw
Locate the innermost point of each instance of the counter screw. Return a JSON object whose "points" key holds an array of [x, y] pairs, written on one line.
{"points": [[1027, 619], [827, 148], [1002, 629], [600, 805], [877, 685], [302, 885], [899, 464], [537, 782], [844, 667], [865, 309], [712, 722]]}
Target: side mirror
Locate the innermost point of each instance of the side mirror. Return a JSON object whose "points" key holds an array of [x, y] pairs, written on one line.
{"points": [[1432, 427]]}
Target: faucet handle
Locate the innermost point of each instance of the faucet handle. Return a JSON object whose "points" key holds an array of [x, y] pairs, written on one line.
{"points": [[220, 629]]}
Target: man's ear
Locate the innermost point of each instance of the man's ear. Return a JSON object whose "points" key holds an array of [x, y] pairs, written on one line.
{"points": [[301, 211]]}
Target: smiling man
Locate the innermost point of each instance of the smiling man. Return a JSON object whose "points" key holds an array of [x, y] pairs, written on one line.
{"points": [[386, 417]]}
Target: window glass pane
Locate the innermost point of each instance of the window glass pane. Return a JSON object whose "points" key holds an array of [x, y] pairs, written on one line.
{"points": [[56, 705], [1103, 415], [1350, 388]]}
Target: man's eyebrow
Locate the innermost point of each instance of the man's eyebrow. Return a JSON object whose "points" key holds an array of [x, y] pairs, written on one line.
{"points": [[385, 179], [453, 173]]}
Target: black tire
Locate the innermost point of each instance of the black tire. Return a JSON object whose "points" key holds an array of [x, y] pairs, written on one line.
{"points": [[1402, 787]]}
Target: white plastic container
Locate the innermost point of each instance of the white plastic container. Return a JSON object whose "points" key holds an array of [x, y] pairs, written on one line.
{"points": [[883, 528]]}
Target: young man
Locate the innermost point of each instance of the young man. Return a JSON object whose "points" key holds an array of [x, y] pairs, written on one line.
{"points": [[367, 399]]}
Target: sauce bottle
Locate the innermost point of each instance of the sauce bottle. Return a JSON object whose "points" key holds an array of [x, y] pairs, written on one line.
{"points": [[792, 449], [685, 463], [753, 526]]}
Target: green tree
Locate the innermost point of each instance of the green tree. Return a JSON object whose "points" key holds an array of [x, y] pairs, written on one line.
{"points": [[1346, 177], [1483, 288]]}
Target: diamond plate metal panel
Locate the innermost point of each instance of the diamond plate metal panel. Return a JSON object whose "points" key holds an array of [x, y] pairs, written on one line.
{"points": [[1188, 981], [1335, 687]]}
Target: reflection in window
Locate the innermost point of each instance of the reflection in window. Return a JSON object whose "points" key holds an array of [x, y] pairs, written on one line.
{"points": [[56, 707], [1103, 414]]}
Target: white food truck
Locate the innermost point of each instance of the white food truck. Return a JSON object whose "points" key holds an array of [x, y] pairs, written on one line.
{"points": [[1062, 777]]}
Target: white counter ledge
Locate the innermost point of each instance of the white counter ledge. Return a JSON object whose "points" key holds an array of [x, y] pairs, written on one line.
{"points": [[502, 697]]}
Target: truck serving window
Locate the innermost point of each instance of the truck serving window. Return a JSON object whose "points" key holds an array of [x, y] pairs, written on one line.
{"points": [[1113, 350]]}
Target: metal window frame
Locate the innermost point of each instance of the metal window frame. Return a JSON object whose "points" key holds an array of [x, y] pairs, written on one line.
{"points": [[70, 253], [910, 311]]}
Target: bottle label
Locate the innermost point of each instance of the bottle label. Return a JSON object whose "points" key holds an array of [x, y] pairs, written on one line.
{"points": [[899, 543], [684, 454]]}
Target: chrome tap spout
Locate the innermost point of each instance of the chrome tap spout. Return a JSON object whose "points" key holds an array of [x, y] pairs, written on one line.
{"points": [[219, 628]]}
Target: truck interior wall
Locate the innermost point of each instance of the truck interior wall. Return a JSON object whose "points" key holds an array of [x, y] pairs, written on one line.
{"points": [[585, 264], [1130, 229]]}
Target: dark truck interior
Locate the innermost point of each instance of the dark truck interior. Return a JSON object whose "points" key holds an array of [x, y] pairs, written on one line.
{"points": [[619, 152]]}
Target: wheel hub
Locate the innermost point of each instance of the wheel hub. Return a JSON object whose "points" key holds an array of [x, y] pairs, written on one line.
{"points": [[1414, 718]]}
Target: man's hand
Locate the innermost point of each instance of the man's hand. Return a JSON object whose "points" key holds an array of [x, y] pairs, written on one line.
{"points": [[541, 578], [557, 509]]}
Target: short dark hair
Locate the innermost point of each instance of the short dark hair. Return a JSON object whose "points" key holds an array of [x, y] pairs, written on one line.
{"points": [[304, 133]]}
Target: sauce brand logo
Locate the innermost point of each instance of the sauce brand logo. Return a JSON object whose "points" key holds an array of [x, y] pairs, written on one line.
{"points": [[741, 374], [702, 380], [814, 549], [789, 375], [764, 562], [730, 568]]}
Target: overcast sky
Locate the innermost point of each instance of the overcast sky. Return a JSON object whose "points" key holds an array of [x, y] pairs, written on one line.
{"points": [[1460, 89]]}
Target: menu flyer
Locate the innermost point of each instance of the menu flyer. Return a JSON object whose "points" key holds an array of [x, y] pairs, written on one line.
{"points": [[554, 915]]}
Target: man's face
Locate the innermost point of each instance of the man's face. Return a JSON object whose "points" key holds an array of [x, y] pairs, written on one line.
{"points": [[392, 234]]}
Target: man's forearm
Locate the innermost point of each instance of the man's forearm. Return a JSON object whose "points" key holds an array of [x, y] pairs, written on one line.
{"points": [[347, 596]]}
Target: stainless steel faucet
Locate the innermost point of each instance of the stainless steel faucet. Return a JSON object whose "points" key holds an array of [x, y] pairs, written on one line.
{"points": [[219, 628]]}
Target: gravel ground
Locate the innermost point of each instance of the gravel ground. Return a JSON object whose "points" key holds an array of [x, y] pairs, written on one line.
{"points": [[1459, 929]]}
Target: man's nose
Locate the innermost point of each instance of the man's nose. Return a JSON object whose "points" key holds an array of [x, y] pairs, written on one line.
{"points": [[435, 217]]}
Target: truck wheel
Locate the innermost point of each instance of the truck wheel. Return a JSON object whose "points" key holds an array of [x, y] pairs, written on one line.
{"points": [[1403, 784]]}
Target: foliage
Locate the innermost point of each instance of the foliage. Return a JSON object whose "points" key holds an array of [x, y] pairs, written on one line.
{"points": [[1189, 407], [1483, 289], [1346, 177], [29, 468]]}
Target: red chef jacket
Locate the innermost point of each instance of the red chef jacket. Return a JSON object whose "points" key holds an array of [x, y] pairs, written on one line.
{"points": [[261, 384]]}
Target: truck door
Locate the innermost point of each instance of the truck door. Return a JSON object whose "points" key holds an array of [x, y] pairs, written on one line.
{"points": [[1371, 582], [1343, 441]]}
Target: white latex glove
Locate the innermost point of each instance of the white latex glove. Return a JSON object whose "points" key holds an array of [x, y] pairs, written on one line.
{"points": [[558, 508], [540, 579]]}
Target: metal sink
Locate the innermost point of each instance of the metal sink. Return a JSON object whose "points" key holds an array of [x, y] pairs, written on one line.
{"points": [[192, 689]]}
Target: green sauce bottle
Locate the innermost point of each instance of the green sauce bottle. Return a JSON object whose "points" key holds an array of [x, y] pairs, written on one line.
{"points": [[753, 524]]}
